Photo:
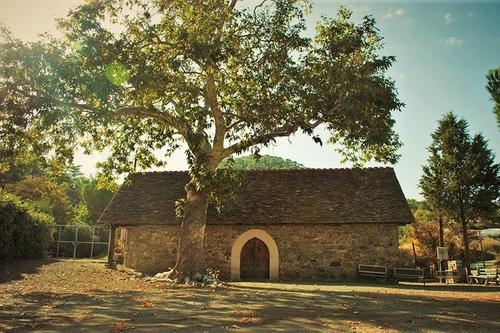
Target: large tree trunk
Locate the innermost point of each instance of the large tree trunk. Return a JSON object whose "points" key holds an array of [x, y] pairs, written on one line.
{"points": [[465, 231], [190, 258]]}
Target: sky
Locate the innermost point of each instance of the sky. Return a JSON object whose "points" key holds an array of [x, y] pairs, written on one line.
{"points": [[443, 49]]}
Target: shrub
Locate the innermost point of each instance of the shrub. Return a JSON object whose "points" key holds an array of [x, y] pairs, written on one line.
{"points": [[426, 239], [24, 232], [45, 195], [491, 245], [426, 236], [404, 233]]}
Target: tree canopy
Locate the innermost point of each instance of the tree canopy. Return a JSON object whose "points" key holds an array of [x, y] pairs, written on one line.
{"points": [[461, 178], [142, 78], [421, 210], [45, 196], [94, 199], [493, 87]]}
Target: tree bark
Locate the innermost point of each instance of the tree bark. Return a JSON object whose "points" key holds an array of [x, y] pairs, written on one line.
{"points": [[441, 263], [441, 236], [190, 258], [111, 246], [465, 231]]}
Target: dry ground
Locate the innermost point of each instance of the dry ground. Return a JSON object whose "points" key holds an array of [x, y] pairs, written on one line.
{"points": [[82, 296]]}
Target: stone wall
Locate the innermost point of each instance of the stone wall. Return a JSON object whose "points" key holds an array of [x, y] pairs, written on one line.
{"points": [[151, 249], [306, 252]]}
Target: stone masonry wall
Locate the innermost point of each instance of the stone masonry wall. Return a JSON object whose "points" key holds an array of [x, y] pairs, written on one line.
{"points": [[306, 252], [151, 249]]}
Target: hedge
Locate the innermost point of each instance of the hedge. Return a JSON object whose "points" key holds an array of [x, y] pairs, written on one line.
{"points": [[24, 232]]}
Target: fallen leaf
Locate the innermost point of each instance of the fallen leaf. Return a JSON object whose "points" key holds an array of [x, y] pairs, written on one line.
{"points": [[247, 320], [148, 304], [81, 318], [118, 327]]}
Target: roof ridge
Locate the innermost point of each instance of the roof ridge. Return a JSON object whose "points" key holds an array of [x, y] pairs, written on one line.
{"points": [[270, 170], [317, 169]]}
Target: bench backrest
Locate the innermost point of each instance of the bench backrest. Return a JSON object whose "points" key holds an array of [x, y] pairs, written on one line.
{"points": [[487, 271], [408, 272], [373, 269]]}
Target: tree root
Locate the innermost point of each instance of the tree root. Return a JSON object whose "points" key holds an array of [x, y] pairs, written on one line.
{"points": [[209, 278]]}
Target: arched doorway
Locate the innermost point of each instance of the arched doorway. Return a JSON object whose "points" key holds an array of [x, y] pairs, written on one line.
{"points": [[254, 258], [237, 252]]}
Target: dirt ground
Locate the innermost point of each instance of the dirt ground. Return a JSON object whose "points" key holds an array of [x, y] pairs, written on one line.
{"points": [[82, 296]]}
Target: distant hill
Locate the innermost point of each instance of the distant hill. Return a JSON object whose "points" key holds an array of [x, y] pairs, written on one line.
{"points": [[264, 162]]}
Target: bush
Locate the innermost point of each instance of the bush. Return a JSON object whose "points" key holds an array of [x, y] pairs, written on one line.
{"points": [[44, 195], [426, 237], [24, 232], [491, 244], [404, 233]]}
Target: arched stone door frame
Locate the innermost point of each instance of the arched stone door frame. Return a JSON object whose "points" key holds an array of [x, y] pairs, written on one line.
{"points": [[242, 240]]}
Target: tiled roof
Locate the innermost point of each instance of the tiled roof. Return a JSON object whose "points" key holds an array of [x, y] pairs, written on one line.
{"points": [[299, 196]]}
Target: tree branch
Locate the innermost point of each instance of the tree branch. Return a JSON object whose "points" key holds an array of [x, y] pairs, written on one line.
{"points": [[220, 123], [232, 4], [281, 131], [263, 138], [141, 112], [259, 5]]}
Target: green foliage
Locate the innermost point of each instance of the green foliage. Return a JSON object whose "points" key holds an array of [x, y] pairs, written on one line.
{"points": [[44, 195], [95, 199], [226, 181], [24, 233], [137, 77], [60, 191], [404, 233], [422, 211], [493, 87], [460, 180], [262, 162], [26, 138]]}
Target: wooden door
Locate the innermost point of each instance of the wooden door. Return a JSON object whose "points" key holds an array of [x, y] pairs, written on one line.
{"points": [[254, 264]]}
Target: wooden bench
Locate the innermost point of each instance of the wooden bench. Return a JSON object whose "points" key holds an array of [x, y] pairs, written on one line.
{"points": [[485, 276], [373, 271], [408, 274]]}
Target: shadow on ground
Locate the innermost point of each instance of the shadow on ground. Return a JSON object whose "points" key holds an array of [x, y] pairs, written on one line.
{"points": [[14, 270], [109, 301], [245, 308], [403, 286]]}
